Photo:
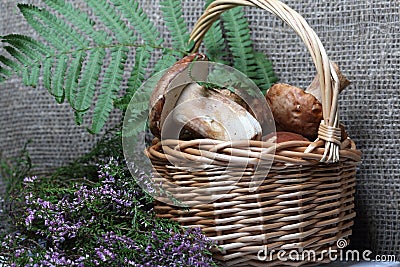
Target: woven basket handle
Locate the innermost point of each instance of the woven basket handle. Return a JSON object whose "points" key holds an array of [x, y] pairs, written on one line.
{"points": [[329, 130]]}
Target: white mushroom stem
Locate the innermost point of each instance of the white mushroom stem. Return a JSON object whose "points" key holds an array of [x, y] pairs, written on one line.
{"points": [[314, 87]]}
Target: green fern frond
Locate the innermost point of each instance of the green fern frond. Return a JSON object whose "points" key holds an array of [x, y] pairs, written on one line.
{"points": [[215, 44], [265, 77], [27, 57], [112, 20], [239, 40], [139, 20], [90, 75], [42, 30], [255, 65], [72, 55], [27, 53], [172, 13], [110, 87], [30, 54]]}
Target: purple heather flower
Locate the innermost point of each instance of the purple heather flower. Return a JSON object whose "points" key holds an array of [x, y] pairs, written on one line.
{"points": [[30, 179], [30, 217]]}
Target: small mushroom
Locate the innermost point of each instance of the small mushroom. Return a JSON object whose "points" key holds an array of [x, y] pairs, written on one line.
{"points": [[176, 74], [212, 114], [343, 131], [280, 137], [296, 110]]}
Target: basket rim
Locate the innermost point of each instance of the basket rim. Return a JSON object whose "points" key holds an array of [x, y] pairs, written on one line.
{"points": [[211, 151]]}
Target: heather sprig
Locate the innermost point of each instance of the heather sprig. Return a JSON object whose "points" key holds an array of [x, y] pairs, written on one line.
{"points": [[105, 223], [179, 250]]}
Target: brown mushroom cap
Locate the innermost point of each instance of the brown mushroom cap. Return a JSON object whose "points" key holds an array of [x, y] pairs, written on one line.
{"points": [[295, 110], [158, 97]]}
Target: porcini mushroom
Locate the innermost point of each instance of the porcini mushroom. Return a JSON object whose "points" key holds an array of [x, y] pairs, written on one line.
{"points": [[299, 111], [159, 95], [280, 137], [294, 110], [212, 114]]}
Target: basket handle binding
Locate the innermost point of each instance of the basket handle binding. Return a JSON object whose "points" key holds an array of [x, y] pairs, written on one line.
{"points": [[329, 130]]}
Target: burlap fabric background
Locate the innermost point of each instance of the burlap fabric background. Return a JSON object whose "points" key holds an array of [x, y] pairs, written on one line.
{"points": [[362, 36]]}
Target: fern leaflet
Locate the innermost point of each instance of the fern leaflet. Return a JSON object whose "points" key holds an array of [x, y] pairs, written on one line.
{"points": [[90, 75], [172, 13], [137, 77], [58, 80], [5, 72], [239, 40], [214, 41], [54, 26], [26, 43], [265, 73], [47, 73], [24, 61], [9, 63], [72, 77], [168, 59], [111, 85], [110, 18], [142, 24], [11, 67], [79, 19], [44, 31]]}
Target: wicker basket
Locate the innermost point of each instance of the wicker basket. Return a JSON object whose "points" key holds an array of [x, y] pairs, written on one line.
{"points": [[305, 200]]}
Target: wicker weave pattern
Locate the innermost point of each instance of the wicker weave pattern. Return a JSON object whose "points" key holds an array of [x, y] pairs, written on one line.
{"points": [[302, 203]]}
